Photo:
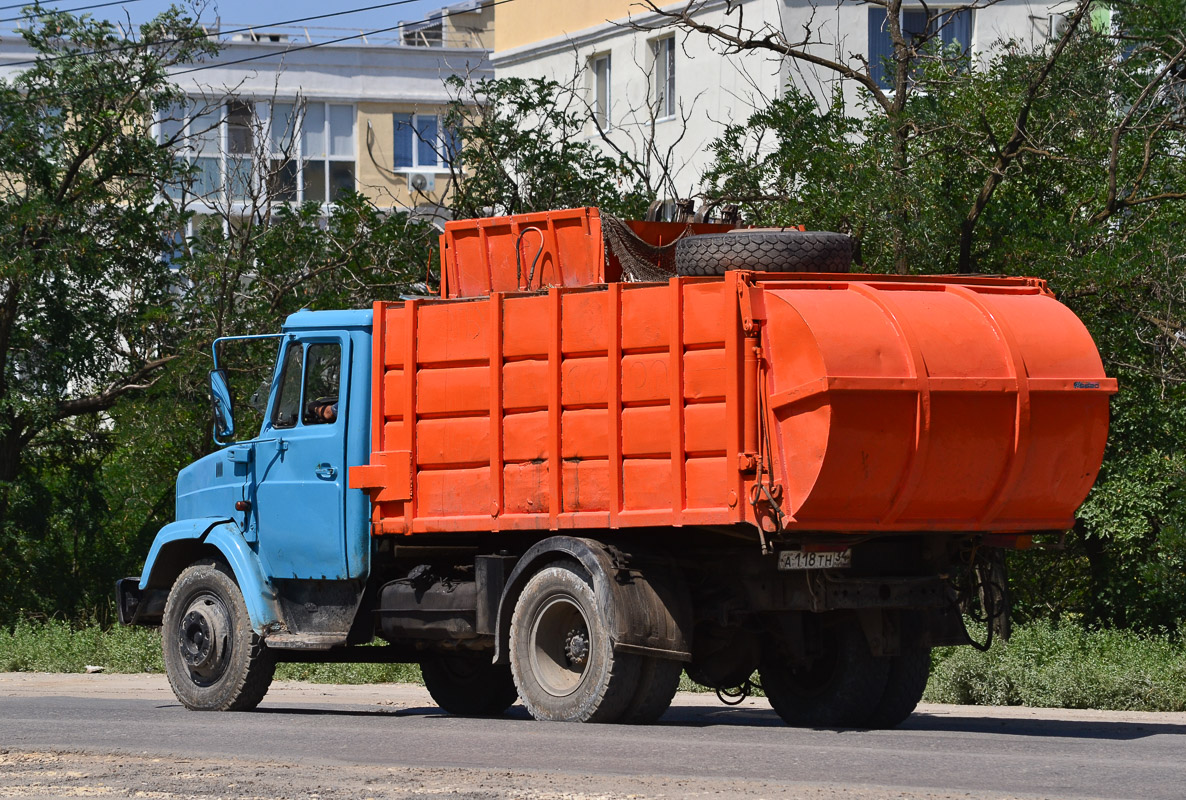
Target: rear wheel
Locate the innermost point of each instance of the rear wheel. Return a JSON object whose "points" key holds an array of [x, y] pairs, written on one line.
{"points": [[839, 688], [213, 660], [907, 680], [658, 682], [562, 657], [469, 685]]}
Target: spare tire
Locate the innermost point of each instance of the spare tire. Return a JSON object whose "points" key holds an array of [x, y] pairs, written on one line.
{"points": [[763, 251]]}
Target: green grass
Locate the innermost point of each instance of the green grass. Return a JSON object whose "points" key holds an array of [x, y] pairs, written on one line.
{"points": [[349, 673], [1066, 666], [55, 646]]}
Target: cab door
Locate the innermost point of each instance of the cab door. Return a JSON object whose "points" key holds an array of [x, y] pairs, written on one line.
{"points": [[301, 463]]}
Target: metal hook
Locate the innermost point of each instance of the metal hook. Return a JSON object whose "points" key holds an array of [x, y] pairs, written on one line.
{"points": [[518, 257]]}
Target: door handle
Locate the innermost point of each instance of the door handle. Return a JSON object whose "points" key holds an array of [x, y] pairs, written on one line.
{"points": [[326, 471]]}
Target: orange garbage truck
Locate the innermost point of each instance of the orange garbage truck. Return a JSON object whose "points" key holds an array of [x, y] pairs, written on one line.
{"points": [[610, 452]]}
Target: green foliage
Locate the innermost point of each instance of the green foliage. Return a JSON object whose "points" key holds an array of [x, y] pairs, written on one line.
{"points": [[82, 286], [104, 345], [1065, 666], [522, 149]]}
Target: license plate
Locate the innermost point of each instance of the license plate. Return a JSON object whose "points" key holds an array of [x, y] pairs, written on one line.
{"points": [[800, 559]]}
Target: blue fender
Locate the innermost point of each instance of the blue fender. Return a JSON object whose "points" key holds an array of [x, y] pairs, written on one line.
{"points": [[223, 535]]}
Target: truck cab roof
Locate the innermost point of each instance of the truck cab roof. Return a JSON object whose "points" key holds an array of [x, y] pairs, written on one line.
{"points": [[306, 320]]}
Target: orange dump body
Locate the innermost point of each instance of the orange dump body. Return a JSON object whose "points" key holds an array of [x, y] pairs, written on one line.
{"points": [[868, 403]]}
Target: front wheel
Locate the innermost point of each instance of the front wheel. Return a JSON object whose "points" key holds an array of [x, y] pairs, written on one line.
{"points": [[469, 685], [561, 654], [213, 660]]}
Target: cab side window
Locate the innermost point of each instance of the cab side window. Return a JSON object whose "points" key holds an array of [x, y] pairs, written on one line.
{"points": [[322, 370], [288, 399]]}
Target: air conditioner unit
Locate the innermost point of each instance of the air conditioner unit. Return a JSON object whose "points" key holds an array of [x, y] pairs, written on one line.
{"points": [[1058, 26], [422, 181]]}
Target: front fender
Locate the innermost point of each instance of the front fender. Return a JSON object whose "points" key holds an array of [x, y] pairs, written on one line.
{"points": [[180, 543]]}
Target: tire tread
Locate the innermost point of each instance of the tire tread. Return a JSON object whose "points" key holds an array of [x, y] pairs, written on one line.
{"points": [[613, 693], [252, 675], [908, 675], [764, 251]]}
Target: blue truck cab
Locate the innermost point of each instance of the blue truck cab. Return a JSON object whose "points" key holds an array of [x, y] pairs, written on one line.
{"points": [[275, 509]]}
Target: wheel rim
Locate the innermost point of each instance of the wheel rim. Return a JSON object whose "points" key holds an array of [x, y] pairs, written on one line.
{"points": [[202, 638], [560, 646]]}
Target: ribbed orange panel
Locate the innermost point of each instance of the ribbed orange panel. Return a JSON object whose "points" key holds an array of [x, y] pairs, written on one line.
{"points": [[893, 404]]}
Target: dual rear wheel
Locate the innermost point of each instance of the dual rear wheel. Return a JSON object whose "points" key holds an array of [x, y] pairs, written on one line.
{"points": [[563, 668], [844, 685], [564, 662]]}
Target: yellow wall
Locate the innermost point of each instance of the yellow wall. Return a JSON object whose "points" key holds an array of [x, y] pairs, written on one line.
{"points": [[526, 21], [374, 177], [475, 29]]}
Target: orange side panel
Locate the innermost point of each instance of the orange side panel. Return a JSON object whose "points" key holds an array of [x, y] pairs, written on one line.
{"points": [[889, 404], [557, 410]]}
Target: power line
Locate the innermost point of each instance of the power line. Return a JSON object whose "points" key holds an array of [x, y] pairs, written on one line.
{"points": [[274, 54], [288, 50], [51, 10], [45, 11], [246, 29]]}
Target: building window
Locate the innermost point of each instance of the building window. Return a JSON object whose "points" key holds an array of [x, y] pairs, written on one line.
{"points": [[663, 74], [947, 27], [284, 152], [421, 142], [600, 67], [327, 151]]}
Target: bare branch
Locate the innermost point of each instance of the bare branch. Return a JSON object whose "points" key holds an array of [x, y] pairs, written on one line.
{"points": [[105, 399], [1012, 148], [1112, 201]]}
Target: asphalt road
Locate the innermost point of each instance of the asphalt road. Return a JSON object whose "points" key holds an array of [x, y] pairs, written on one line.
{"points": [[122, 735]]}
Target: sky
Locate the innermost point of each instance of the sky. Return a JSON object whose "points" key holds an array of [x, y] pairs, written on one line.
{"points": [[259, 14]]}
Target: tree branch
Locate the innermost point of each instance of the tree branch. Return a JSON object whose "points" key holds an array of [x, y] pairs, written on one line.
{"points": [[105, 399], [1012, 148]]}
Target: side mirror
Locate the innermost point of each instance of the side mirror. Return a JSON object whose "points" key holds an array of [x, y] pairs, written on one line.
{"points": [[220, 395]]}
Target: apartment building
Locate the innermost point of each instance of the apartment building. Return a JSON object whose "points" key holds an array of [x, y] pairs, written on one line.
{"points": [[301, 114], [645, 82]]}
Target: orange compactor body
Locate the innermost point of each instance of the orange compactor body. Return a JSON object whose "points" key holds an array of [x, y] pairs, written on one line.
{"points": [[544, 393]]}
